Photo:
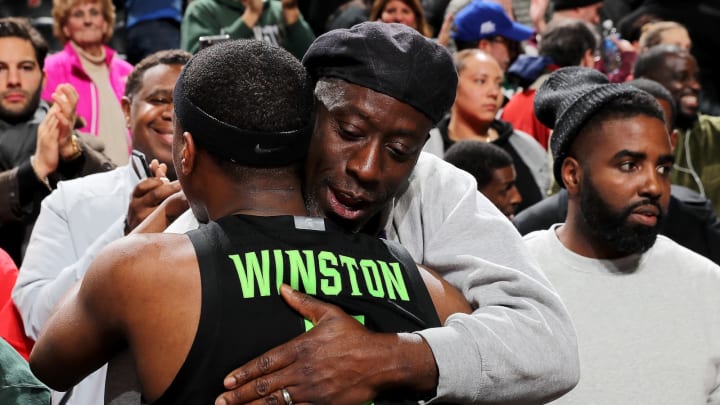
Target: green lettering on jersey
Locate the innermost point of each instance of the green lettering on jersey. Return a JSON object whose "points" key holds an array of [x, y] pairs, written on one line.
{"points": [[351, 266], [394, 281], [252, 273], [279, 267], [372, 278], [302, 270], [330, 284]]}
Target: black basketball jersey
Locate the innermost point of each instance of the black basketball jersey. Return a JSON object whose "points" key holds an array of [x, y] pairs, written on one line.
{"points": [[244, 259]]}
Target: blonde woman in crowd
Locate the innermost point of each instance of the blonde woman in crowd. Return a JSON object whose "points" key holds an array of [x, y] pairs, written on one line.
{"points": [[93, 68]]}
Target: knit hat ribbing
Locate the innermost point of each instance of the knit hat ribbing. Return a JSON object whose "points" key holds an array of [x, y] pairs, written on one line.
{"points": [[567, 100]]}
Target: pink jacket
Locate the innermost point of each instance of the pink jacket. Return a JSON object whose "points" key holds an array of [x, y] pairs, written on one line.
{"points": [[65, 67]]}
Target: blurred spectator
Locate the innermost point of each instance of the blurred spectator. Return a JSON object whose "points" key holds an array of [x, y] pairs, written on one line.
{"points": [[94, 69], [701, 18], [631, 26], [408, 12], [664, 33], [493, 170], [587, 10], [486, 26], [37, 144], [435, 12], [151, 26], [350, 13], [317, 13], [472, 117], [566, 42], [615, 10], [279, 23], [697, 155]]}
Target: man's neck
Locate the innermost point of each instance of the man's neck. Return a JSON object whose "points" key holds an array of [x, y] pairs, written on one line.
{"points": [[460, 129], [258, 198]]}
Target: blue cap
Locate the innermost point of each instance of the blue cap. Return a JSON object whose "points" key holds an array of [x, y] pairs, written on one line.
{"points": [[480, 19]]}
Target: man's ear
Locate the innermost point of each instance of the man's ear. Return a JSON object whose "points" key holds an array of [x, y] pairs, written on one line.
{"points": [[571, 175], [673, 139], [43, 81], [588, 59], [188, 154], [125, 105]]}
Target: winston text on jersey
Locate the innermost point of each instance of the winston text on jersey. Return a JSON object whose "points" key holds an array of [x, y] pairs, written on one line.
{"points": [[261, 273]]}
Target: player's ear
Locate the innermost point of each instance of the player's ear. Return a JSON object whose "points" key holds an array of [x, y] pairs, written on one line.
{"points": [[188, 154]]}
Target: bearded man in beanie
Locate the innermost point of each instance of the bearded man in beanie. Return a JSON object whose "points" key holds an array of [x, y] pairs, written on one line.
{"points": [[645, 308], [379, 89], [165, 297]]}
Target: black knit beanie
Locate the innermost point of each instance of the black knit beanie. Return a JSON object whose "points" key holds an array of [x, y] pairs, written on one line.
{"points": [[567, 100]]}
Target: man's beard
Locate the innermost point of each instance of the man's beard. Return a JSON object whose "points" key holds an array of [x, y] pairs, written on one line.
{"points": [[683, 121], [612, 228], [14, 117]]}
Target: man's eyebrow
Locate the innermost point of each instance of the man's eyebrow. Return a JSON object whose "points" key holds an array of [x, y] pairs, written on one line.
{"points": [[669, 158], [631, 154], [160, 91], [352, 109]]}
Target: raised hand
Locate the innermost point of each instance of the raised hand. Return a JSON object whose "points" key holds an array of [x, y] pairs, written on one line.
{"points": [[149, 194], [46, 157], [65, 97]]}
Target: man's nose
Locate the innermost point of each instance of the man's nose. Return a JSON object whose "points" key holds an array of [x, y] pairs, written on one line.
{"points": [[365, 164], [13, 77]]}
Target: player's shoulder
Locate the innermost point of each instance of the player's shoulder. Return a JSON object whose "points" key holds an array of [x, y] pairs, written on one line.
{"points": [[142, 256]]}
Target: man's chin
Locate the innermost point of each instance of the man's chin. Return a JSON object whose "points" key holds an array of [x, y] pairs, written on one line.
{"points": [[16, 114], [636, 239], [685, 120]]}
